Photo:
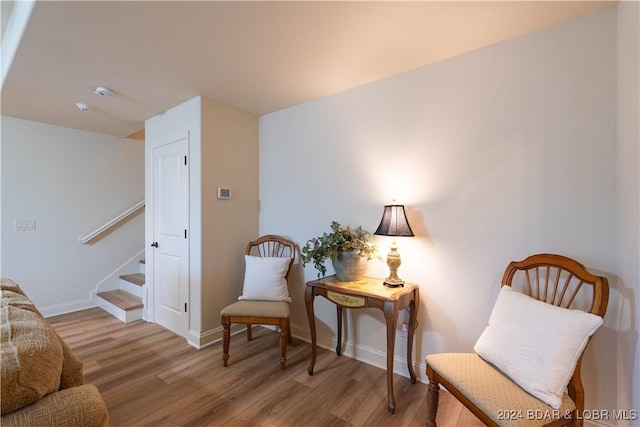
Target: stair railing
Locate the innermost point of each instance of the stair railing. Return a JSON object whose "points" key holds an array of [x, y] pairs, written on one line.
{"points": [[112, 223]]}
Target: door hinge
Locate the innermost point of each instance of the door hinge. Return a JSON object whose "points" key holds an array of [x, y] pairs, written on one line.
{"points": [[185, 160], [185, 307]]}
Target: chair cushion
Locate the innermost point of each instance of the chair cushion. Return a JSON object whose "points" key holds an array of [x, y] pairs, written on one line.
{"points": [[31, 352], [536, 344], [264, 279], [279, 309], [493, 392]]}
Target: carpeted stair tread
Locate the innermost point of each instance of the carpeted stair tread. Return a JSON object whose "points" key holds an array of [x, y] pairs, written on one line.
{"points": [[122, 299], [135, 278]]}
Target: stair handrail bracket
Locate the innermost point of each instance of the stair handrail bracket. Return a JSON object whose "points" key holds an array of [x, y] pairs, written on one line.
{"points": [[112, 223]]}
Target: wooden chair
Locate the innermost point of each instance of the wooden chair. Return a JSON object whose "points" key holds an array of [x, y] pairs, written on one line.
{"points": [[490, 394], [261, 312]]}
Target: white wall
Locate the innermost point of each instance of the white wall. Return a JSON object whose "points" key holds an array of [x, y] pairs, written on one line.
{"points": [[624, 319], [70, 182], [500, 153]]}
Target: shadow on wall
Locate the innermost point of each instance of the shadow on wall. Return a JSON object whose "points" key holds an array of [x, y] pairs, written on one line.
{"points": [[418, 224], [297, 285], [618, 337]]}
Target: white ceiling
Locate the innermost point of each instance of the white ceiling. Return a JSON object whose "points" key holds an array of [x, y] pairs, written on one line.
{"points": [[257, 56]]}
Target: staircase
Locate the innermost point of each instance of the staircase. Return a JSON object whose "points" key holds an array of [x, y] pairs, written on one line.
{"points": [[126, 303]]}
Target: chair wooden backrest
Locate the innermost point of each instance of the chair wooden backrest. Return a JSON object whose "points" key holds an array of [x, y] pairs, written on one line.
{"points": [[563, 282], [272, 245]]}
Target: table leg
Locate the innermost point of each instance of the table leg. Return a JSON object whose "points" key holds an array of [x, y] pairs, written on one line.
{"points": [[339, 343], [391, 316], [413, 314], [308, 299]]}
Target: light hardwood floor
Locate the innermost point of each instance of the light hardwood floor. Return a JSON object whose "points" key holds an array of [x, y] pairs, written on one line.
{"points": [[150, 377]]}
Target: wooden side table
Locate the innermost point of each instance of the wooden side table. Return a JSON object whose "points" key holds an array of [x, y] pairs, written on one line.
{"points": [[367, 292]]}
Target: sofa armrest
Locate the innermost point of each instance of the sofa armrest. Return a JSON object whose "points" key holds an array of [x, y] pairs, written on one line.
{"points": [[76, 406]]}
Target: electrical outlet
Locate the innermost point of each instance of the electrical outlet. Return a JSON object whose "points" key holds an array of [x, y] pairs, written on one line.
{"points": [[404, 327], [25, 225]]}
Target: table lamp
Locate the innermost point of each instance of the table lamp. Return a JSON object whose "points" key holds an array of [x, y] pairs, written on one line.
{"points": [[394, 223]]}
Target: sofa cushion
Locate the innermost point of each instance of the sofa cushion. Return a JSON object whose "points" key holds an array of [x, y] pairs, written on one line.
{"points": [[78, 406], [10, 285], [31, 352]]}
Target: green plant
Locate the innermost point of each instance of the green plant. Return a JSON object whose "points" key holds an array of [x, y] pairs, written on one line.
{"points": [[329, 245]]}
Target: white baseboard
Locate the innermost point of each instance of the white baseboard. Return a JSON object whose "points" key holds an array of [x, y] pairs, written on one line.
{"points": [[368, 355], [204, 339], [67, 307], [145, 303]]}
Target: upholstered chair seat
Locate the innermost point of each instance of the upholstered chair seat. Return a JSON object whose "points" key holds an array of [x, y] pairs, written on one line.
{"points": [[280, 309], [494, 393]]}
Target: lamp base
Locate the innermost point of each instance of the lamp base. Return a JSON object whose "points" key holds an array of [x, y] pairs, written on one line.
{"points": [[393, 261], [393, 283]]}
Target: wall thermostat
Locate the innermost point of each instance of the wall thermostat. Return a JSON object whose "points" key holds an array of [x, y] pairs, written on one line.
{"points": [[224, 193]]}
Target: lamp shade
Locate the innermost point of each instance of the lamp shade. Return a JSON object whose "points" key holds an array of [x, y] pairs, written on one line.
{"points": [[394, 222]]}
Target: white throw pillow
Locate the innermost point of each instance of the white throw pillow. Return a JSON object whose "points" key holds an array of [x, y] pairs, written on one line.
{"points": [[264, 279], [536, 344]]}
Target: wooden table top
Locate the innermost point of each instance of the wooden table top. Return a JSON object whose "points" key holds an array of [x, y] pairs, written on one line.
{"points": [[367, 286]]}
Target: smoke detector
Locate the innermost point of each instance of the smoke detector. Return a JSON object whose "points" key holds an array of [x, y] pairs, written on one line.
{"points": [[104, 91], [82, 107]]}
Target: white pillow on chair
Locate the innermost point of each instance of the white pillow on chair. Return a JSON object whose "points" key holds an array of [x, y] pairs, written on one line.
{"points": [[536, 344], [264, 279]]}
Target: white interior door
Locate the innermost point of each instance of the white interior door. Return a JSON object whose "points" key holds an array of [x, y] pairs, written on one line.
{"points": [[171, 235]]}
